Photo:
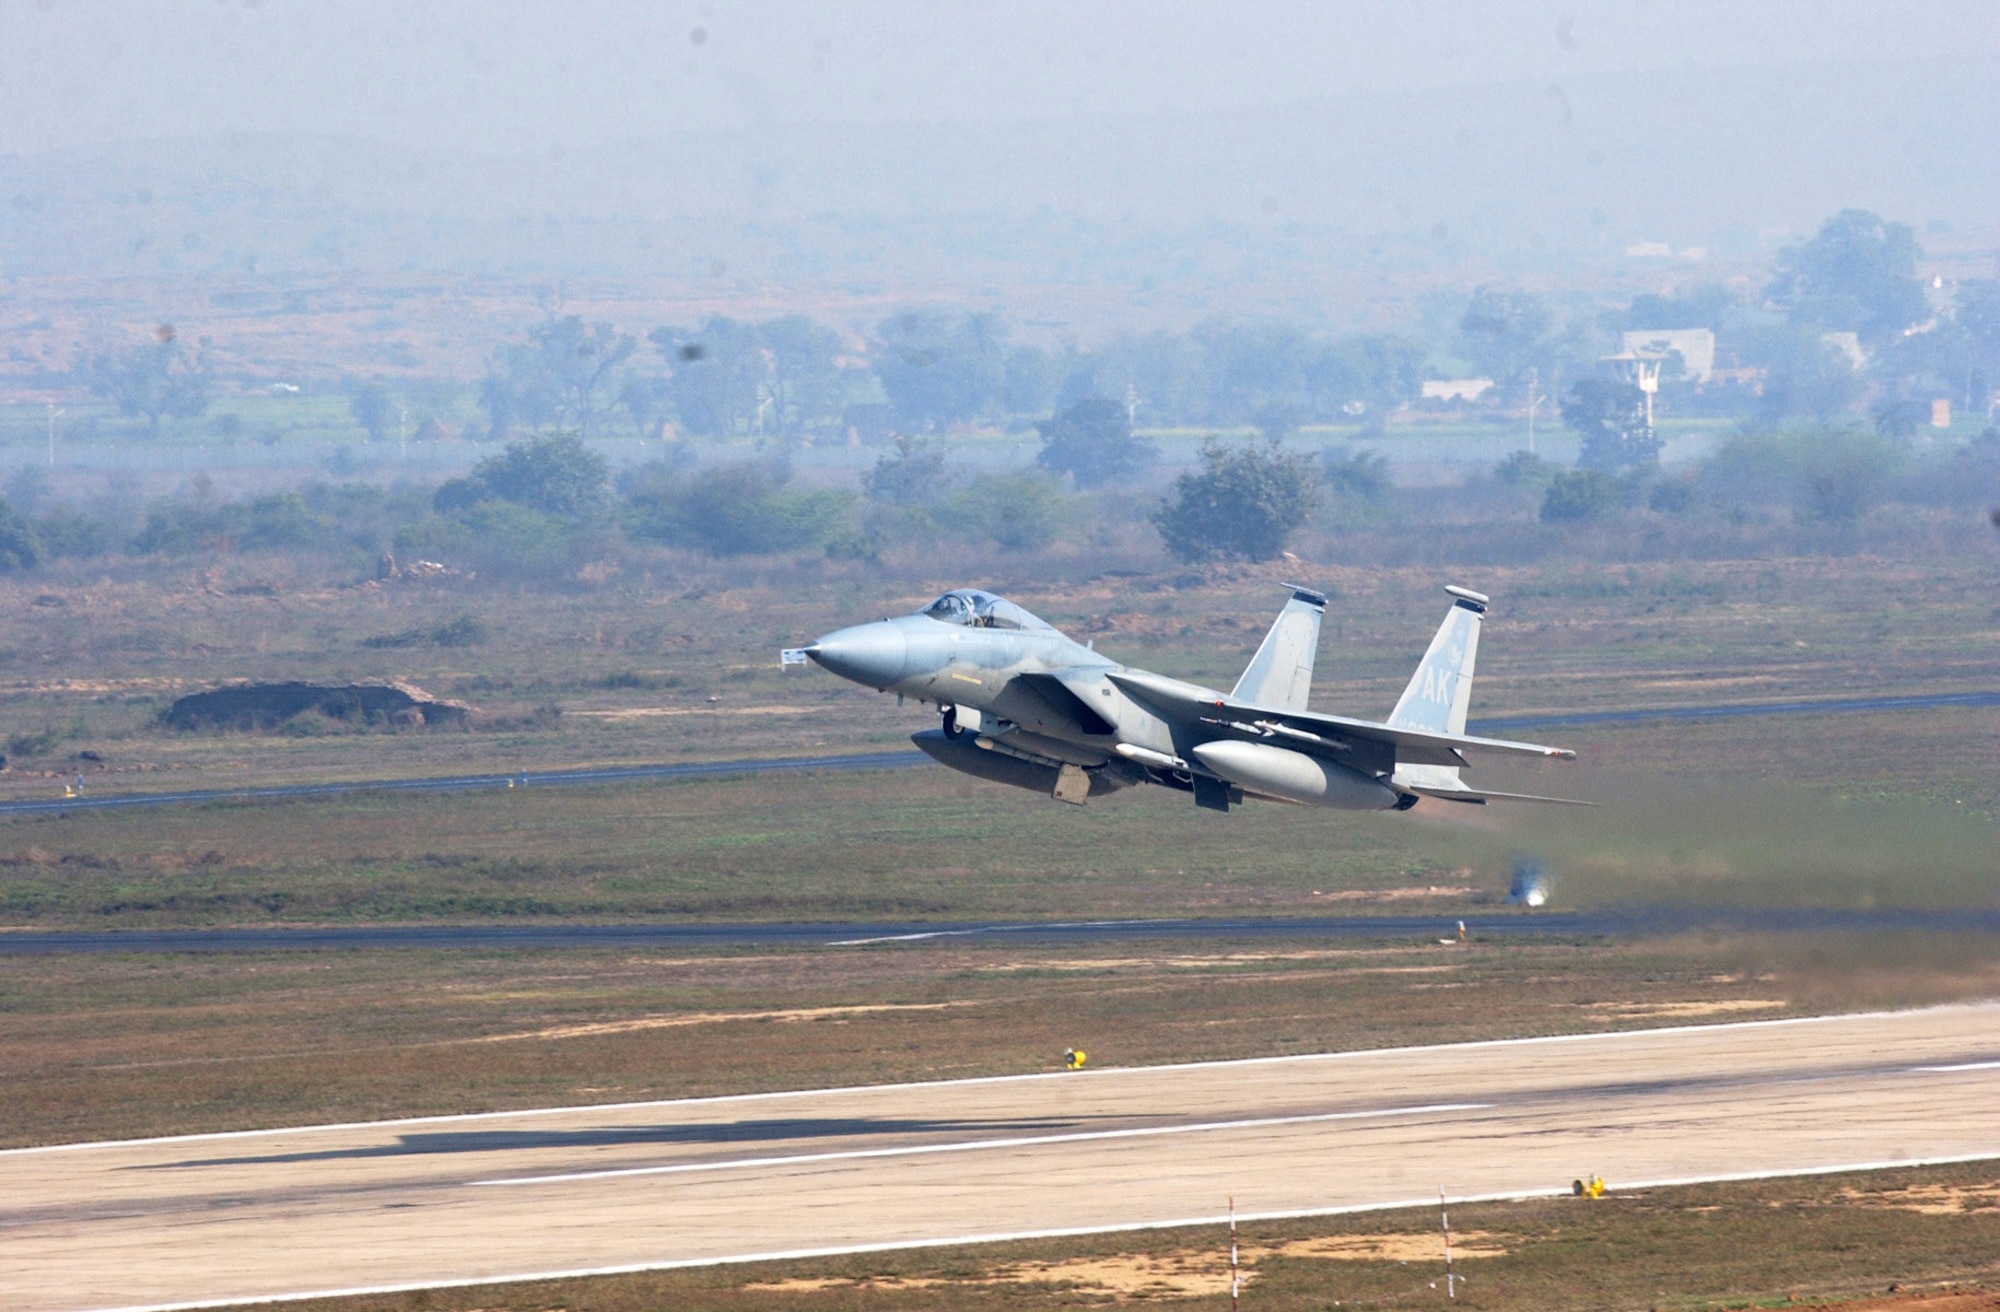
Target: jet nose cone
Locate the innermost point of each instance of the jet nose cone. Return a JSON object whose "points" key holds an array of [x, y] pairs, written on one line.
{"points": [[867, 653]]}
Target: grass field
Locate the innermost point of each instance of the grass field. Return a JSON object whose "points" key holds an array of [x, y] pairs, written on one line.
{"points": [[108, 1047], [683, 663], [1882, 810]]}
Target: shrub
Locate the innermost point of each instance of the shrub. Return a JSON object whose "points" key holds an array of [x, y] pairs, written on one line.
{"points": [[1525, 469], [1092, 442], [1360, 475], [1245, 502], [736, 509], [556, 475], [19, 547], [1577, 495], [1019, 512], [1610, 418], [64, 533], [1831, 474]]}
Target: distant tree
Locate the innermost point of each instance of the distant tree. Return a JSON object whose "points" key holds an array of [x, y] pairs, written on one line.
{"points": [[1576, 495], [1359, 475], [1173, 376], [909, 476], [1610, 418], [1899, 416], [1506, 333], [153, 379], [1693, 307], [565, 373], [1362, 374], [19, 547], [1807, 377], [1978, 317], [1524, 469], [1245, 502], [1247, 367], [1092, 442], [648, 399], [737, 509], [580, 365], [1845, 473], [555, 475], [720, 374], [371, 407], [938, 371], [1029, 382], [1018, 512], [806, 384], [1276, 420], [1857, 274]]}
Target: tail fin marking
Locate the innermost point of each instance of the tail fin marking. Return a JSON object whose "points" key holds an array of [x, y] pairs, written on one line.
{"points": [[1440, 692]]}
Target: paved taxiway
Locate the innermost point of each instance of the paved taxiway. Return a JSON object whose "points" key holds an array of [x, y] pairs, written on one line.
{"points": [[1602, 923], [461, 1199]]}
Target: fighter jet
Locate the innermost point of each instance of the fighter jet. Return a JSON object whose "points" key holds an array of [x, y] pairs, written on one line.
{"points": [[1023, 704]]}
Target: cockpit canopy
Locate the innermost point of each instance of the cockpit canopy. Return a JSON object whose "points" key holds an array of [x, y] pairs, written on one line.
{"points": [[982, 610]]}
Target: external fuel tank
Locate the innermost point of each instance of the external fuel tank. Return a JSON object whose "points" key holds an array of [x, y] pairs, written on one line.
{"points": [[1294, 776]]}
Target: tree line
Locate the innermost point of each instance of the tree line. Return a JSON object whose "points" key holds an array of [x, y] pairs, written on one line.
{"points": [[927, 371]]}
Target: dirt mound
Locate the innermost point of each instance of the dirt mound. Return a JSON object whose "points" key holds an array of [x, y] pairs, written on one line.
{"points": [[272, 705]]}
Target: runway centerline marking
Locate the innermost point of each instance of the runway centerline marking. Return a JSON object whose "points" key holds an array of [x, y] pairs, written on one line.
{"points": [[977, 1145]]}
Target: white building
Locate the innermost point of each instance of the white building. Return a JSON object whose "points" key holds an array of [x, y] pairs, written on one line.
{"points": [[1455, 389], [1696, 347]]}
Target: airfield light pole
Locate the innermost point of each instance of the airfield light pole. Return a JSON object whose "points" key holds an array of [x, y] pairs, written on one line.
{"points": [[1235, 1271], [54, 414], [1534, 403], [1444, 1223]]}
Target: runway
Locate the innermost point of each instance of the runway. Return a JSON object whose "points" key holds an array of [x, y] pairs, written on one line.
{"points": [[1633, 922], [562, 1191], [1497, 725]]}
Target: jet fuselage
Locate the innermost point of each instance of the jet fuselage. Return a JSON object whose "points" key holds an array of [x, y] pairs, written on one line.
{"points": [[1024, 704]]}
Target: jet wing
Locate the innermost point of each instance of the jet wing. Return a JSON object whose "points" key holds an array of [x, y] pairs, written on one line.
{"points": [[1060, 692], [1329, 733]]}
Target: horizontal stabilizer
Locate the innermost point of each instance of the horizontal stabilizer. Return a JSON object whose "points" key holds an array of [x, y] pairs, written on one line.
{"points": [[1310, 732]]}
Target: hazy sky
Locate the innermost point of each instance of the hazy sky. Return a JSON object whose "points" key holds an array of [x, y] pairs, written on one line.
{"points": [[504, 77]]}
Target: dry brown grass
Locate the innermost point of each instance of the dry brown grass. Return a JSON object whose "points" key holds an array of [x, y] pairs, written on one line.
{"points": [[109, 1047]]}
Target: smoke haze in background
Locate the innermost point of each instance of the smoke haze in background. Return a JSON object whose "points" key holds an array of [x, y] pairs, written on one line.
{"points": [[1042, 143]]}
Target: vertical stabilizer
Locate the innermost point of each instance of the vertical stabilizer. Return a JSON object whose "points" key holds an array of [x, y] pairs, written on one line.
{"points": [[1441, 690], [1280, 675]]}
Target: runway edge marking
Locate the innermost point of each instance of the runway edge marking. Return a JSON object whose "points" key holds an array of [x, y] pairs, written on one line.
{"points": [[904, 1245], [1101, 1073]]}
